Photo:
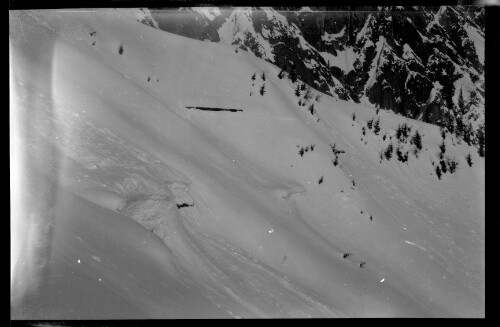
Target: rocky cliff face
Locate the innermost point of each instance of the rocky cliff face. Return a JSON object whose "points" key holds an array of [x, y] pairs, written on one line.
{"points": [[424, 63]]}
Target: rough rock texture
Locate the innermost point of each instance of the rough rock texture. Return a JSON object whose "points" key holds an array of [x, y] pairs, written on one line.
{"points": [[412, 60]]}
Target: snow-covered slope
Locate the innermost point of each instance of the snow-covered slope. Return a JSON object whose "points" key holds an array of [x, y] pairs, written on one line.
{"points": [[127, 204]]}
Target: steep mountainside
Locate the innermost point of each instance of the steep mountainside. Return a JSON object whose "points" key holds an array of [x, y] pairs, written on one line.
{"points": [[422, 62], [158, 176]]}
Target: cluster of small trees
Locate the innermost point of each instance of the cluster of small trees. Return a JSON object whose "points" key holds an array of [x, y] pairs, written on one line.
{"points": [[374, 124], [387, 153], [262, 89], [446, 164], [336, 153], [303, 150], [306, 97], [403, 132], [403, 157], [457, 123]]}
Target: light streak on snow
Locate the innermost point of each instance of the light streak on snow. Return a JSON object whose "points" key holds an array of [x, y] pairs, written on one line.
{"points": [[414, 244]]}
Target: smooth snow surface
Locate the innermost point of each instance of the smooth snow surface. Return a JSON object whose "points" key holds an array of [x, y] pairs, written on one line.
{"points": [[127, 205]]}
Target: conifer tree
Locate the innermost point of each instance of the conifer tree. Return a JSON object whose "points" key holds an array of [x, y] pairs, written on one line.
{"points": [[461, 102], [297, 90], [469, 160], [452, 165], [263, 89], [253, 76], [376, 127], [399, 154], [442, 147], [417, 140], [308, 94], [438, 172], [443, 166], [369, 123], [388, 151], [311, 109]]}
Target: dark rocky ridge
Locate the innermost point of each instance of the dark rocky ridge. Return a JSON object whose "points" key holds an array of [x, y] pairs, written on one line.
{"points": [[411, 60]]}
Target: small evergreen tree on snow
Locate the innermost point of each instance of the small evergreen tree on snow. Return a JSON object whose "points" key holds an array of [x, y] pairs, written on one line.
{"points": [[281, 74], [312, 147], [311, 109], [254, 76], [317, 98], [376, 126], [443, 132], [467, 134], [335, 150], [443, 166], [301, 152], [400, 156], [461, 102], [353, 116], [442, 147], [320, 180], [297, 90], [438, 172], [263, 89], [388, 151], [460, 128], [363, 130], [120, 49], [452, 165], [417, 140], [263, 76], [468, 158], [308, 94], [369, 123], [335, 161]]}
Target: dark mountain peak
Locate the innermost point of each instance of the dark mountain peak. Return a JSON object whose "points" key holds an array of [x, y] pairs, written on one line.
{"points": [[409, 59]]}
